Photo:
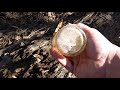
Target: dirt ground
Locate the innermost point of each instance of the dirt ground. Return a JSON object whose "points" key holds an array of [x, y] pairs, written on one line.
{"points": [[25, 40]]}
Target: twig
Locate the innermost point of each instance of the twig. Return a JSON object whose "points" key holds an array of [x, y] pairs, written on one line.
{"points": [[9, 48]]}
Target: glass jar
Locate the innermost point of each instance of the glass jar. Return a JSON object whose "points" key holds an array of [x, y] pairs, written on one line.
{"points": [[70, 40]]}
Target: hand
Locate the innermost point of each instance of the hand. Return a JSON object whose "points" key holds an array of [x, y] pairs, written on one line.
{"points": [[91, 62]]}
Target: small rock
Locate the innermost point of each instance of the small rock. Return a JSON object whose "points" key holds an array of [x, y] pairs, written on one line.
{"points": [[18, 70], [13, 76], [22, 44], [18, 38], [38, 57]]}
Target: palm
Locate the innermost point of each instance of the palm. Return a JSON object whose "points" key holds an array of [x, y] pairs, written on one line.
{"points": [[93, 57]]}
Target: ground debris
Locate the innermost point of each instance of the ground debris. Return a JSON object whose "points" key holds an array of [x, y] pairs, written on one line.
{"points": [[25, 40]]}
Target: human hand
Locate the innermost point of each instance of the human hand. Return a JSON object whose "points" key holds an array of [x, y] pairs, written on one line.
{"points": [[91, 62]]}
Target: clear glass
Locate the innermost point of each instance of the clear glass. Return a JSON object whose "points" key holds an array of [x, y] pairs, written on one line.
{"points": [[70, 40]]}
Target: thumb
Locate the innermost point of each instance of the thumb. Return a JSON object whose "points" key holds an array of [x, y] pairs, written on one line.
{"points": [[62, 59]]}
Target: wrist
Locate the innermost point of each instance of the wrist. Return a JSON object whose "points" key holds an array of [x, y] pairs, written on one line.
{"points": [[113, 63]]}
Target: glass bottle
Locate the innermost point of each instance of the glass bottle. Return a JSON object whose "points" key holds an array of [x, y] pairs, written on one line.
{"points": [[70, 40]]}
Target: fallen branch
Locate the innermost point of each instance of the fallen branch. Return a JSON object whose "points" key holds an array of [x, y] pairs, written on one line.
{"points": [[10, 48]]}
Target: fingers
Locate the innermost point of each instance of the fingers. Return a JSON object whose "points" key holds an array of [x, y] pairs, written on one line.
{"points": [[91, 32], [83, 26], [63, 60], [88, 30]]}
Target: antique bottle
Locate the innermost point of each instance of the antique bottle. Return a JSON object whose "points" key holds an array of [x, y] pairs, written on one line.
{"points": [[70, 40]]}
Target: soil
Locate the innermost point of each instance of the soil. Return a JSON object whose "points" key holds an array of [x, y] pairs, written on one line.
{"points": [[25, 40]]}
